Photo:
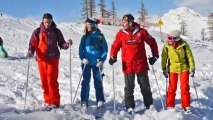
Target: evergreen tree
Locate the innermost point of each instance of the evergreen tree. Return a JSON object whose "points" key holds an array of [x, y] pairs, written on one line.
{"points": [[103, 10], [91, 6], [108, 13], [143, 14], [203, 34], [210, 26], [84, 11], [113, 11], [183, 28]]}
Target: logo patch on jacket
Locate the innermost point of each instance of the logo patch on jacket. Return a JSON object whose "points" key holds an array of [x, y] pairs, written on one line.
{"points": [[131, 41]]}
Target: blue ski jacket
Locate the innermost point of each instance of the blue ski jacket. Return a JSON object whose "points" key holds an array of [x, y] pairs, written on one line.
{"points": [[93, 47]]}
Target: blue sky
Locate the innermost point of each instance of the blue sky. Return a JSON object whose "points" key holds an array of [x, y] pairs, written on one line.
{"points": [[70, 10]]}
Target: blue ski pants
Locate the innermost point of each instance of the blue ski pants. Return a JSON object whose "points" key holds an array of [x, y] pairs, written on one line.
{"points": [[86, 83]]}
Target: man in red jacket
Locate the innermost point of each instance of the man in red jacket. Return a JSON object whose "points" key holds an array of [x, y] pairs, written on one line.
{"points": [[131, 39], [45, 41]]}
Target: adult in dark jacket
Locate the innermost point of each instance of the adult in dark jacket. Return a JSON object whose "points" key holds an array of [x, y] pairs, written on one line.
{"points": [[45, 41], [131, 39], [3, 53]]}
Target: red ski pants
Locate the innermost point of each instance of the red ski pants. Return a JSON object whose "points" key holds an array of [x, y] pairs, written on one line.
{"points": [[49, 75], [184, 87]]}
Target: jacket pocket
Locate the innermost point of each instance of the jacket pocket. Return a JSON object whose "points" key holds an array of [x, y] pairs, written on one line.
{"points": [[127, 66]]}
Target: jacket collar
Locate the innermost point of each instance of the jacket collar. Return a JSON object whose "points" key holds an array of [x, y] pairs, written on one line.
{"points": [[51, 28], [133, 30], [183, 43]]}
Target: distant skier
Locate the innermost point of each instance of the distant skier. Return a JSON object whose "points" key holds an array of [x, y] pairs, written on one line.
{"points": [[131, 39], [177, 54], [45, 41], [93, 52], [3, 53]]}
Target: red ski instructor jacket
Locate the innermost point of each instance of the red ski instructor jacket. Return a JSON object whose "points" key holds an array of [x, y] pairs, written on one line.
{"points": [[132, 44]]}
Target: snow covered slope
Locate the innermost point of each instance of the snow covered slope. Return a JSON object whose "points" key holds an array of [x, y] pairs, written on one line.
{"points": [[13, 72], [195, 22]]}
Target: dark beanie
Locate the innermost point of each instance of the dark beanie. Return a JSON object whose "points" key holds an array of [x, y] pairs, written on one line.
{"points": [[47, 16], [92, 20], [129, 17]]}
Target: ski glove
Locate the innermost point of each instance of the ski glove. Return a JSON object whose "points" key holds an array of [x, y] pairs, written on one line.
{"points": [[30, 54], [152, 60], [85, 61], [112, 60], [99, 64], [67, 44], [192, 73], [165, 73]]}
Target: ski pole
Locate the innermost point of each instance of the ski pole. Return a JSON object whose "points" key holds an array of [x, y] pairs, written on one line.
{"points": [[166, 89], [70, 75], [158, 87], [113, 82], [195, 90], [199, 103], [100, 71], [101, 77], [28, 69], [79, 83]]}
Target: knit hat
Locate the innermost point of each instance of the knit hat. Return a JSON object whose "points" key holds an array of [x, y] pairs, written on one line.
{"points": [[47, 16], [175, 35], [92, 20], [129, 17]]}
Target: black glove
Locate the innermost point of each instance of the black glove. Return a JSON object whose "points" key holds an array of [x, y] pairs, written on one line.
{"points": [[192, 73], [112, 60], [152, 60], [165, 73]]}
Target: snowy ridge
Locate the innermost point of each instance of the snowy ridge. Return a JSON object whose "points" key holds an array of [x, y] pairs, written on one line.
{"points": [[195, 22], [13, 71]]}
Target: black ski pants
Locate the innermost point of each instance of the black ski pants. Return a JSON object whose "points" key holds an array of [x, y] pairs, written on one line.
{"points": [[143, 81]]}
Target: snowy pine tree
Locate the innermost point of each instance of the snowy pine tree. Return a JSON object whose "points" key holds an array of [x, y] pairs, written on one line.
{"points": [[84, 11], [113, 11], [91, 7], [103, 10], [143, 14], [108, 13], [210, 26], [183, 28], [203, 34]]}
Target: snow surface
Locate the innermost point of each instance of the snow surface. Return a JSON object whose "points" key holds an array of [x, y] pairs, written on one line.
{"points": [[13, 74]]}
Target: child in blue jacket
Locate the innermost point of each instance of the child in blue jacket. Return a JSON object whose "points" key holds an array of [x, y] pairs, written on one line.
{"points": [[93, 52]]}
